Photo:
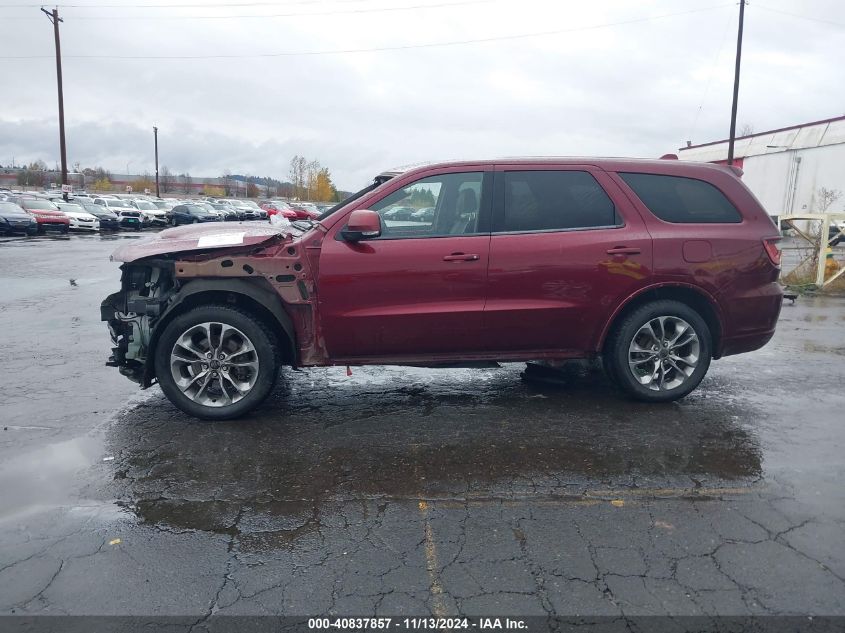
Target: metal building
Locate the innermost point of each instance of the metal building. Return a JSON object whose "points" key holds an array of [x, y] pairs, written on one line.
{"points": [[786, 168]]}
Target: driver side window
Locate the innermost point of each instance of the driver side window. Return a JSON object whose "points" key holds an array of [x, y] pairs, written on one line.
{"points": [[437, 206]]}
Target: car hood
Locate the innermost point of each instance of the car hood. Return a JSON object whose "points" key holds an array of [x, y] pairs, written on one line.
{"points": [[203, 237], [47, 213]]}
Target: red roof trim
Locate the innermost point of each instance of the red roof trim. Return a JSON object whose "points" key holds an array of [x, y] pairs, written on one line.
{"points": [[782, 129]]}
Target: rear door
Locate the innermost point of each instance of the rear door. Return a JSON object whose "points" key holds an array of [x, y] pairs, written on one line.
{"points": [[566, 249], [417, 290]]}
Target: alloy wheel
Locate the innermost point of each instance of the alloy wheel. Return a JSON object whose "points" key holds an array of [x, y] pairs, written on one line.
{"points": [[214, 364], [664, 353]]}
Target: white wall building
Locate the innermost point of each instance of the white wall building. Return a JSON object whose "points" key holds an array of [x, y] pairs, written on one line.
{"points": [[785, 168]]}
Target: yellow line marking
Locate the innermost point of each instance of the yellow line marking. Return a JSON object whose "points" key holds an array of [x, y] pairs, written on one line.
{"points": [[671, 492], [432, 565], [595, 497]]}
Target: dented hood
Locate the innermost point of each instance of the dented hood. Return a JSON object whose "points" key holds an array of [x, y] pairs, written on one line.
{"points": [[202, 237]]}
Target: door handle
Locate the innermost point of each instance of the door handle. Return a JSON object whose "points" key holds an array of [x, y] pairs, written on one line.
{"points": [[624, 250], [461, 257]]}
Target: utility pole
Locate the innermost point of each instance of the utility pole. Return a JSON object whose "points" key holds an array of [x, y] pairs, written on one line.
{"points": [[736, 83], [155, 136], [55, 19]]}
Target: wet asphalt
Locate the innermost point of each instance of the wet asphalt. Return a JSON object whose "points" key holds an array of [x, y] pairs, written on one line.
{"points": [[408, 491]]}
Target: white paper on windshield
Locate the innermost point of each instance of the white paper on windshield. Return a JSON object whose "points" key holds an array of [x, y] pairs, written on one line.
{"points": [[221, 239]]}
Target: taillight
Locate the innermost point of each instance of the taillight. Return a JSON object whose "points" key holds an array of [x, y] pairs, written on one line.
{"points": [[772, 250]]}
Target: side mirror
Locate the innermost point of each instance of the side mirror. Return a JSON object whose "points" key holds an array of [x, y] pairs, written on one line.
{"points": [[363, 224]]}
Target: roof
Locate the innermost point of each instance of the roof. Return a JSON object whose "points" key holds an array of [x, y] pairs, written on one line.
{"points": [[775, 131], [610, 163]]}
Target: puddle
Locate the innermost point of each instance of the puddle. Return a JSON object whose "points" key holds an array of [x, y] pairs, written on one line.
{"points": [[46, 477]]}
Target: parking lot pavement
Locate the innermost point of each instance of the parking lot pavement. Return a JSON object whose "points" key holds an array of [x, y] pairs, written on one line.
{"points": [[409, 491]]}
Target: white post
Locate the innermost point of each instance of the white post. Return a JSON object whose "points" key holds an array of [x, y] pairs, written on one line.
{"points": [[823, 243]]}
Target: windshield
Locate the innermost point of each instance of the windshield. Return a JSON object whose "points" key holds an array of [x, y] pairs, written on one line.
{"points": [[75, 208], [195, 209], [43, 205], [352, 198], [10, 207], [118, 204], [146, 206], [252, 204]]}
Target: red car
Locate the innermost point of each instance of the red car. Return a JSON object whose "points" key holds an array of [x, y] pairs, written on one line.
{"points": [[47, 214], [287, 210], [654, 266]]}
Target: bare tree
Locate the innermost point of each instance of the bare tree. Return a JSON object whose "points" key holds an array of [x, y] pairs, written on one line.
{"points": [[747, 129], [186, 182], [166, 179], [827, 197]]}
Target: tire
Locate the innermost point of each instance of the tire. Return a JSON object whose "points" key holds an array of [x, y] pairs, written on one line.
{"points": [[661, 376], [40, 230], [64, 230], [198, 397], [195, 221]]}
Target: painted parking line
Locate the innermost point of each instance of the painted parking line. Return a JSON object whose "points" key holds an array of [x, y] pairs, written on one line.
{"points": [[431, 564]]}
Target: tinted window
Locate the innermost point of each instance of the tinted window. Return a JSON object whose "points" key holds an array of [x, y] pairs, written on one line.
{"points": [[448, 204], [554, 200], [678, 199], [42, 205]]}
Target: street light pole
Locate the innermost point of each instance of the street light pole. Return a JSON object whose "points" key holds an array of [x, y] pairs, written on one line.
{"points": [[736, 83], [155, 136], [55, 19]]}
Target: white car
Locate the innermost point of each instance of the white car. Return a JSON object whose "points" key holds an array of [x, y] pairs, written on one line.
{"points": [[79, 218], [152, 213]]}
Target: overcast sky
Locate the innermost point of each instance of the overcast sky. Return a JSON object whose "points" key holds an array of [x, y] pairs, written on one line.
{"points": [[609, 77]]}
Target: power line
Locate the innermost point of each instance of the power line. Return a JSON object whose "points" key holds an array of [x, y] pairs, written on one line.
{"points": [[799, 16], [713, 66], [199, 5], [483, 40], [413, 7]]}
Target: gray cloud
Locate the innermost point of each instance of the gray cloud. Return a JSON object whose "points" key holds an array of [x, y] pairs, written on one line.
{"points": [[632, 89]]}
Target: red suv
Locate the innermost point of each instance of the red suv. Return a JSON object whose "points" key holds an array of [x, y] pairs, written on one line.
{"points": [[656, 266]]}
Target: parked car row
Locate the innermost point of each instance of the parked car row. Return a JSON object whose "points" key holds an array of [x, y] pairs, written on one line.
{"points": [[294, 210], [32, 213]]}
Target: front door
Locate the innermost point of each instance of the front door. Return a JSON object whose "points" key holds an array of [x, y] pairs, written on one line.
{"points": [[417, 290], [566, 248]]}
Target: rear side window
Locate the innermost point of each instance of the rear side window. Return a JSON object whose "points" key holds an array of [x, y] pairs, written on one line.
{"points": [[554, 200], [682, 200]]}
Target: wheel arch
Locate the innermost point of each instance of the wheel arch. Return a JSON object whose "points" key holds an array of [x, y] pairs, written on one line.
{"points": [[696, 298], [263, 303]]}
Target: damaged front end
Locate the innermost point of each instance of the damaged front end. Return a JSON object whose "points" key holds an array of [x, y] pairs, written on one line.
{"points": [[261, 269], [132, 314]]}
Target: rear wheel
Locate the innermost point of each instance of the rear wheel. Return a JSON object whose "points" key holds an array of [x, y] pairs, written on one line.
{"points": [[216, 362], [660, 352]]}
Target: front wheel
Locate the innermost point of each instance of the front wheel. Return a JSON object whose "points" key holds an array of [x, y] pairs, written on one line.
{"points": [[216, 362], [660, 352]]}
